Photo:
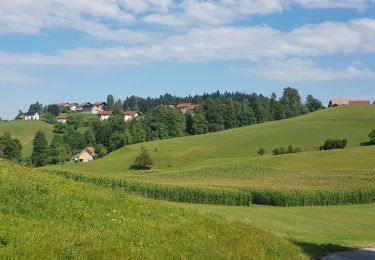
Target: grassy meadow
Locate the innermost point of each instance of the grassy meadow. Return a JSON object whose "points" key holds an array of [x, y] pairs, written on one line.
{"points": [[48, 217], [25, 132]]}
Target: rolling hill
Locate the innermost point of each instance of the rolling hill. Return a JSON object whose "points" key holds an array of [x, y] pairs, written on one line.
{"points": [[25, 132], [228, 159], [48, 217]]}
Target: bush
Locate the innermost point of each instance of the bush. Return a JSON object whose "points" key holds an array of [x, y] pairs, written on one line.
{"points": [[278, 151], [332, 144], [292, 149], [143, 161], [100, 151], [60, 128], [261, 151], [371, 135]]}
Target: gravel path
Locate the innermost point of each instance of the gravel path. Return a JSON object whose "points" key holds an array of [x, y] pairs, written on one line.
{"points": [[362, 254]]}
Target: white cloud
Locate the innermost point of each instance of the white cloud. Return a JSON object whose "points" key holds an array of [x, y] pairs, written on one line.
{"points": [[297, 70]]}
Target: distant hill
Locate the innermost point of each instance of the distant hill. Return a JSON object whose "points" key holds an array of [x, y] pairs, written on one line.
{"points": [[25, 132]]}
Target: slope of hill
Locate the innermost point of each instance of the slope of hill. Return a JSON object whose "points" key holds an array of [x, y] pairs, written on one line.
{"points": [[48, 217], [307, 132], [25, 132]]}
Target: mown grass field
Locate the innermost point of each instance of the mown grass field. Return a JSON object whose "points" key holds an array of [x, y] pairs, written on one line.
{"points": [[25, 132], [350, 225], [48, 217]]}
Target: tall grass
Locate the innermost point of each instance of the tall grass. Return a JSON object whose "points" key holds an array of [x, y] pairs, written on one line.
{"points": [[240, 197]]}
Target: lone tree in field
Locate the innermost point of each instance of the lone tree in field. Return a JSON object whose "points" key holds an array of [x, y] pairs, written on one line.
{"points": [[143, 160], [261, 151], [372, 136], [39, 156]]}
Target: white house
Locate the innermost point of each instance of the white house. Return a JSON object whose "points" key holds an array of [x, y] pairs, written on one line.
{"points": [[104, 115], [32, 116], [130, 115], [63, 118]]}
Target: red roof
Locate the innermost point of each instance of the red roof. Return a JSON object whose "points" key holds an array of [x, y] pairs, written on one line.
{"points": [[105, 113], [187, 106], [99, 103], [63, 116], [130, 113], [359, 102]]}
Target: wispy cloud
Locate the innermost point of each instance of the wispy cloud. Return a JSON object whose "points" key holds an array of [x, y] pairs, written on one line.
{"points": [[297, 70]]}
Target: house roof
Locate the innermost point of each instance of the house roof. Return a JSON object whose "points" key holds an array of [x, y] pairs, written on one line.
{"points": [[339, 101], [63, 104], [130, 113], [105, 113], [90, 150], [100, 103], [63, 116], [74, 104], [31, 113], [187, 106], [358, 102]]}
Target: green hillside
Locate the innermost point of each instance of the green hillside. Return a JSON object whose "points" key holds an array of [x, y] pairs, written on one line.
{"points": [[48, 217], [228, 159], [25, 132]]}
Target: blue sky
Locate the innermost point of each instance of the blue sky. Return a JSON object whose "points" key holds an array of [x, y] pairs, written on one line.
{"points": [[65, 50]]}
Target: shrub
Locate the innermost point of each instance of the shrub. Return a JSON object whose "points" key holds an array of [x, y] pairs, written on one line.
{"points": [[372, 136], [331, 144], [278, 151], [143, 161], [100, 151], [60, 128], [292, 149], [261, 151]]}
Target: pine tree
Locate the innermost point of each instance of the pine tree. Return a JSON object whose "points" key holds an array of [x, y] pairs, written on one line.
{"points": [[39, 156], [110, 102]]}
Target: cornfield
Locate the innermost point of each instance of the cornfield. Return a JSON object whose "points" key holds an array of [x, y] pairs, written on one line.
{"points": [[285, 198]]}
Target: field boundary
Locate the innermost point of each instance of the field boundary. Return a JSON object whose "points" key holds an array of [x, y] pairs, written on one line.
{"points": [[284, 198]]}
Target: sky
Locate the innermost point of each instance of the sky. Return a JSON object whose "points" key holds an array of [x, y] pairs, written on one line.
{"points": [[55, 51]]}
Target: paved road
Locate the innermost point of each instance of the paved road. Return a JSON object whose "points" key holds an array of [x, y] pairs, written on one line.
{"points": [[362, 254]]}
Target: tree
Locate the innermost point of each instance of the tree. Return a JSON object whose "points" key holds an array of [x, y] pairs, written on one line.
{"points": [[246, 115], [278, 151], [261, 151], [89, 137], [53, 109], [74, 139], [75, 120], [313, 104], [36, 107], [60, 153], [230, 119], [116, 141], [143, 160], [199, 123], [100, 151], [138, 133], [372, 136], [291, 101], [39, 155], [110, 102], [60, 128], [331, 144], [49, 118], [10, 149]]}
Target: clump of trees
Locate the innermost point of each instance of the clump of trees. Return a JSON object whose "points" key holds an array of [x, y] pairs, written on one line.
{"points": [[10, 149], [143, 161], [332, 144], [290, 149]]}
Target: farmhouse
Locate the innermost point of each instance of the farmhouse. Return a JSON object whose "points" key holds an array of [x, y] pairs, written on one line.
{"points": [[105, 115], [73, 106], [86, 155], [184, 107], [130, 115], [32, 116], [347, 102], [63, 118], [100, 106]]}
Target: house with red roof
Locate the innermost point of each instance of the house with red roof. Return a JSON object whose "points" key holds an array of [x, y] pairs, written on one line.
{"points": [[104, 115], [130, 115], [86, 155], [62, 118], [184, 107], [347, 102]]}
